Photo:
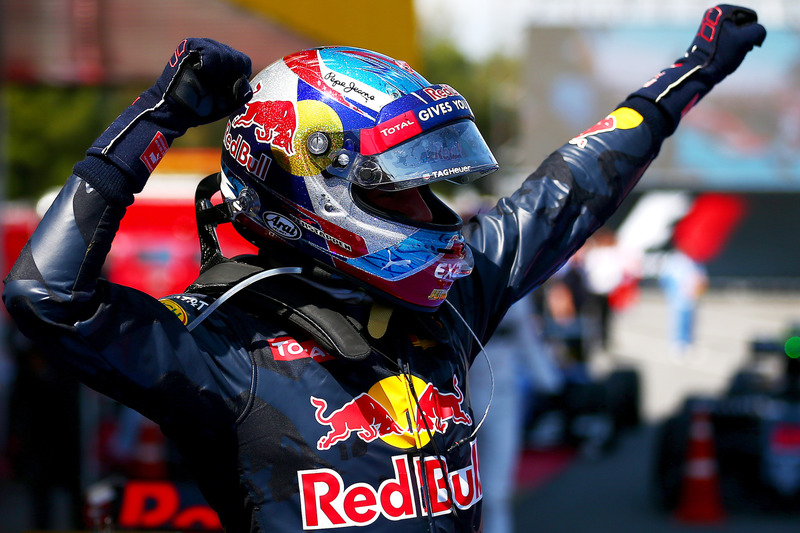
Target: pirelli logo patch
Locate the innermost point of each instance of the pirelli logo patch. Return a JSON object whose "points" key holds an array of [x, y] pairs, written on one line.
{"points": [[179, 311]]}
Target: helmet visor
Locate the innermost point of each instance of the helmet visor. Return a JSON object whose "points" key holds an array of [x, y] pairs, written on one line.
{"points": [[455, 152]]}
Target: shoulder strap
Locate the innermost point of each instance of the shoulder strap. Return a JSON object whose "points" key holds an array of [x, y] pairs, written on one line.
{"points": [[287, 298], [293, 302]]}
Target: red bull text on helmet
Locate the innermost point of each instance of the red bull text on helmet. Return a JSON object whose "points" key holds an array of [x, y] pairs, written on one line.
{"points": [[372, 122]]}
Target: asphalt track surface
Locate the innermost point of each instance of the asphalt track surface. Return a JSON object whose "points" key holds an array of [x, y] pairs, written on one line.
{"points": [[612, 494]]}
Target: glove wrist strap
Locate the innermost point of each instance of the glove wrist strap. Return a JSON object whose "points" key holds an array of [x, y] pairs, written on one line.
{"points": [[121, 160], [675, 90]]}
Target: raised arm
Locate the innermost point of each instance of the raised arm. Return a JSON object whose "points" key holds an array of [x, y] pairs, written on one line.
{"points": [[112, 335], [55, 278], [530, 235]]}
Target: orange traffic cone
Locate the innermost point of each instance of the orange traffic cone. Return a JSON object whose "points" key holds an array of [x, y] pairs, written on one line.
{"points": [[700, 499]]}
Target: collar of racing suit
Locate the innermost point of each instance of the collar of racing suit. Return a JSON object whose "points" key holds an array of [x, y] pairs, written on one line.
{"points": [[333, 312]]}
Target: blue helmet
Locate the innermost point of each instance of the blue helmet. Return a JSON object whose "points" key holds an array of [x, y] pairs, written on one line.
{"points": [[326, 131]]}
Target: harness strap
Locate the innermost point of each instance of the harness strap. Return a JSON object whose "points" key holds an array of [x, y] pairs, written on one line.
{"points": [[291, 301]]}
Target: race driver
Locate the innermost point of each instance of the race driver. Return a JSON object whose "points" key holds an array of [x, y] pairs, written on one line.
{"points": [[323, 384]]}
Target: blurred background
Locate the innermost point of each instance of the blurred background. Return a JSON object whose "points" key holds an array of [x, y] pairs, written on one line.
{"points": [[717, 212]]}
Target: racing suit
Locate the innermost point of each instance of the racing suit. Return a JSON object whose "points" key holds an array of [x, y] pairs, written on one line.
{"points": [[284, 428], [281, 434]]}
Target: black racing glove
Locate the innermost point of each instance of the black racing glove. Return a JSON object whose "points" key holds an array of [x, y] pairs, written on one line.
{"points": [[727, 33], [203, 81]]}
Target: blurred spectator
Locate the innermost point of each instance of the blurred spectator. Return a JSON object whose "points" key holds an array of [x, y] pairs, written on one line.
{"points": [[563, 302], [610, 270], [683, 280], [44, 436], [8, 373], [131, 445], [523, 367]]}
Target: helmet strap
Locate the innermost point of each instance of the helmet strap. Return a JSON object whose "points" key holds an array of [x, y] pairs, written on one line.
{"points": [[209, 216]]}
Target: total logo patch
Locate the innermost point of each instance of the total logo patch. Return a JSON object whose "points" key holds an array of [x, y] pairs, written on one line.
{"points": [[288, 349], [179, 311]]}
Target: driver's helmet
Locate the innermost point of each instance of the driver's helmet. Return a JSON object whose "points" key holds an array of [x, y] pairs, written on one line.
{"points": [[325, 127]]}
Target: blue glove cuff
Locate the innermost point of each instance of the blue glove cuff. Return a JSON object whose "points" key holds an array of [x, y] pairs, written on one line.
{"points": [[725, 36], [121, 160], [675, 90], [203, 81]]}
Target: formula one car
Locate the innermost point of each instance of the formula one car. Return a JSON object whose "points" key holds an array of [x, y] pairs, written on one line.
{"points": [[755, 431], [589, 416]]}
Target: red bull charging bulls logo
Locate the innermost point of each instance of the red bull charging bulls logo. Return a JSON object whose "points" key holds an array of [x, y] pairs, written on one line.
{"points": [[623, 118], [403, 411], [607, 124], [275, 121], [363, 416]]}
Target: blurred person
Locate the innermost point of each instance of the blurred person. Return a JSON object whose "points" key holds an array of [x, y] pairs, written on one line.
{"points": [[520, 367], [563, 303], [574, 416], [44, 436], [8, 372], [683, 281], [608, 269], [323, 383]]}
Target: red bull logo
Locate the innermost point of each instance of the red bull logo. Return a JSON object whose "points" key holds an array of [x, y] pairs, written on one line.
{"points": [[441, 92], [607, 124], [326, 502], [435, 408], [623, 118], [362, 415], [240, 150], [275, 122], [403, 411]]}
